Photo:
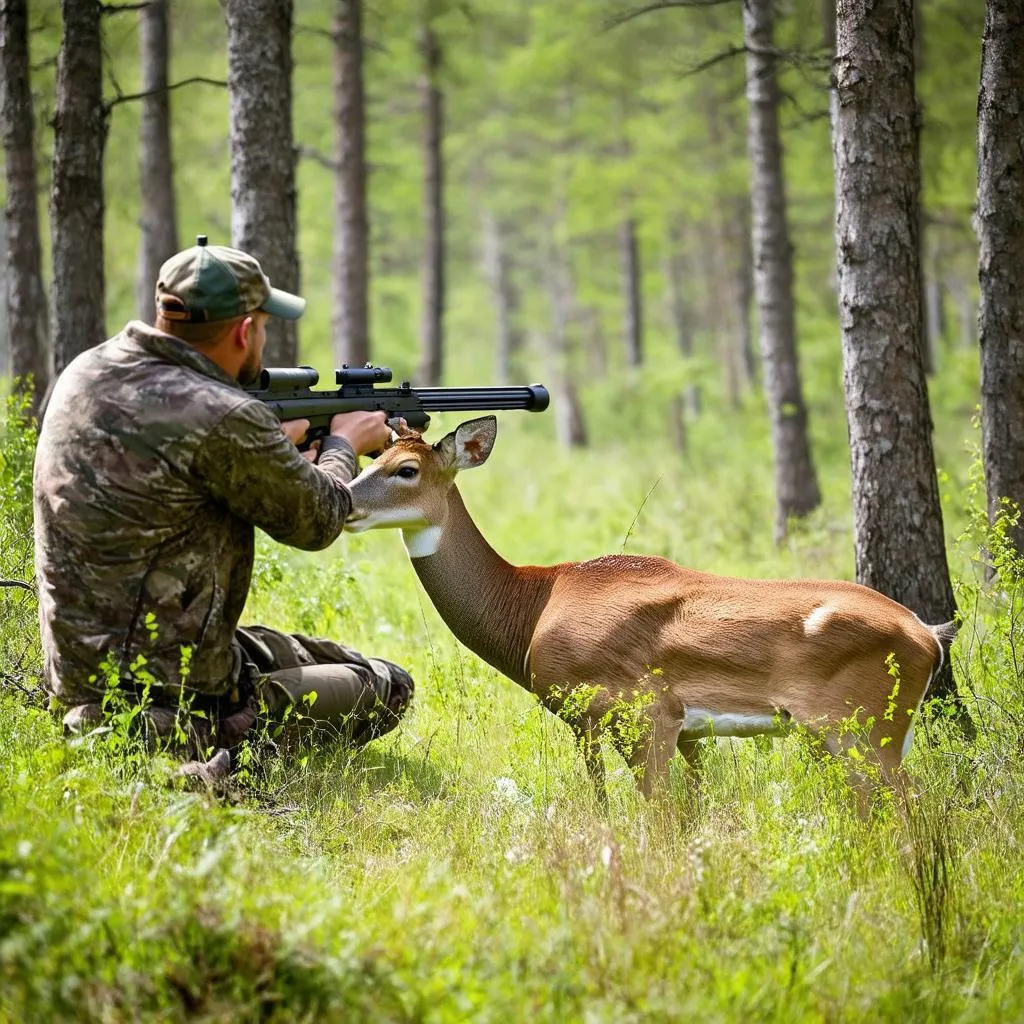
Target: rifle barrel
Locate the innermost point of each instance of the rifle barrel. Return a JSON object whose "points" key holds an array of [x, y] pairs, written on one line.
{"points": [[533, 397]]}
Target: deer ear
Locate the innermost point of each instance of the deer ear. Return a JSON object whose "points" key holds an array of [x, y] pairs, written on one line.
{"points": [[469, 444]]}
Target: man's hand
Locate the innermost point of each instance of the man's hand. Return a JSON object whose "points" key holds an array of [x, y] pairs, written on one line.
{"points": [[365, 431], [295, 430]]}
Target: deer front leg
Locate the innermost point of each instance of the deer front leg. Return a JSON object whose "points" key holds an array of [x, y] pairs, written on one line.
{"points": [[590, 746], [651, 753]]}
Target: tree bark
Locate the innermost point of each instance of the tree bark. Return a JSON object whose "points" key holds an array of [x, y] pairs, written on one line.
{"points": [[351, 279], [742, 236], [159, 216], [898, 534], [76, 191], [633, 324], [1000, 223], [432, 314], [263, 151], [570, 425], [504, 297], [25, 295], [796, 483]]}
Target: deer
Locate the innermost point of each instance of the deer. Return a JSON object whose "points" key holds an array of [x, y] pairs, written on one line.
{"points": [[697, 654]]}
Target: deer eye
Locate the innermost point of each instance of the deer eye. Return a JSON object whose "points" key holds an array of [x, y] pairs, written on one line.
{"points": [[406, 472]]}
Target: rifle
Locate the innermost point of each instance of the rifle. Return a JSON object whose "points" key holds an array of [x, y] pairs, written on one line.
{"points": [[288, 393]]}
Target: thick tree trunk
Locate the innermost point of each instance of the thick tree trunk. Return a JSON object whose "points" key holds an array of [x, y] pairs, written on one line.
{"points": [[25, 295], [76, 191], [432, 314], [350, 325], [263, 151], [505, 299], [633, 324], [796, 483], [898, 535], [1000, 221], [159, 216]]}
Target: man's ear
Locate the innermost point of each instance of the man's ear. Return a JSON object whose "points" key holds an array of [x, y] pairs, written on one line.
{"points": [[244, 332], [469, 444]]}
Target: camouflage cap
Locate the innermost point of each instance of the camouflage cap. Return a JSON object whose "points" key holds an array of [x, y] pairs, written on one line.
{"points": [[215, 282]]}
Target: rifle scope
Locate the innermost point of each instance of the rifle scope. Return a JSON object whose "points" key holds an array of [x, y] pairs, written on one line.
{"points": [[288, 378], [362, 375]]}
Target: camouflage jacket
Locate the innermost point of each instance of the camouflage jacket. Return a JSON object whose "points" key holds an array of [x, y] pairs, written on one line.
{"points": [[153, 467]]}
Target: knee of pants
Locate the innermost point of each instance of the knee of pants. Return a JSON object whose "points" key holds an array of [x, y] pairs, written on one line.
{"points": [[399, 687]]}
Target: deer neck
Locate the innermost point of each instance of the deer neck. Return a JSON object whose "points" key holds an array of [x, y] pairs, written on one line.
{"points": [[490, 605]]}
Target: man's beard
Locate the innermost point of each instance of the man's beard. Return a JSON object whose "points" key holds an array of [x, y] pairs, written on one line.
{"points": [[251, 369]]}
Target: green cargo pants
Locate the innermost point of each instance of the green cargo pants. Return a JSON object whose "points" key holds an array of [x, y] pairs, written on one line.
{"points": [[356, 698]]}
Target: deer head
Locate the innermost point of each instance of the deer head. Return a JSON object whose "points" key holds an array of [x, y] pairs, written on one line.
{"points": [[407, 486]]}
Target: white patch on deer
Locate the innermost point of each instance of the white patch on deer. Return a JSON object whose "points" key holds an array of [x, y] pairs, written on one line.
{"points": [[815, 622], [422, 543], [701, 722]]}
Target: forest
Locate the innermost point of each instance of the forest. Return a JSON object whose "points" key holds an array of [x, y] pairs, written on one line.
{"points": [[767, 255]]}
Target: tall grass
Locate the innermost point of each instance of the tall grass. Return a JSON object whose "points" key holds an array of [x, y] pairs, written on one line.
{"points": [[460, 868]]}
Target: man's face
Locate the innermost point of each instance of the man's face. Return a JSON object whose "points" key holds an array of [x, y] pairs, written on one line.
{"points": [[257, 338]]}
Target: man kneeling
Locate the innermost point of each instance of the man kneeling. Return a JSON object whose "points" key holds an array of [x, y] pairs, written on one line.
{"points": [[152, 470]]}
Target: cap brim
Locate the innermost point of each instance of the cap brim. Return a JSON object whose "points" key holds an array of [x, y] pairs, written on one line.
{"points": [[284, 304]]}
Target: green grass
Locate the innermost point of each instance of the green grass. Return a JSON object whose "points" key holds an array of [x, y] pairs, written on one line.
{"points": [[460, 869]]}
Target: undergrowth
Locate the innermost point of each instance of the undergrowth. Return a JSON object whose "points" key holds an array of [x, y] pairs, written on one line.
{"points": [[461, 868]]}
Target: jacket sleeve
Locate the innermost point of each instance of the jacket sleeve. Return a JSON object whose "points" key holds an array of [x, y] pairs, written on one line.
{"points": [[248, 465]]}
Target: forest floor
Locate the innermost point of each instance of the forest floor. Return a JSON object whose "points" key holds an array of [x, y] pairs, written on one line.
{"points": [[460, 869]]}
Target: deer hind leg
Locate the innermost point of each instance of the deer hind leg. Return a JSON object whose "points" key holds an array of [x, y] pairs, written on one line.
{"points": [[693, 751]]}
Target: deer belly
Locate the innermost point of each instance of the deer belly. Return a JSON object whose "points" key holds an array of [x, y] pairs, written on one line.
{"points": [[700, 722]]}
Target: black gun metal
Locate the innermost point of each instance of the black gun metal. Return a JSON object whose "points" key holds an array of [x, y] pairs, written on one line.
{"points": [[288, 391]]}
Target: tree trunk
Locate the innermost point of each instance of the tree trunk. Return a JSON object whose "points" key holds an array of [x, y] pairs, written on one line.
{"points": [[25, 295], [898, 536], [1000, 221], [570, 425], [827, 13], [633, 327], [263, 152], [76, 191], [742, 236], [159, 217], [351, 279], [674, 274], [934, 318], [5, 333], [505, 299], [796, 483], [432, 315]]}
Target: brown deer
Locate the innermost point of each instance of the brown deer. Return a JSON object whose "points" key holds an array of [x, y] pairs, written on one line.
{"points": [[694, 654]]}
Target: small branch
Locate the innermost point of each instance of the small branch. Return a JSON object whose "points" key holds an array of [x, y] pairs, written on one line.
{"points": [[314, 154], [324, 33], [128, 97], [18, 583], [659, 5], [727, 54], [120, 8], [315, 30]]}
